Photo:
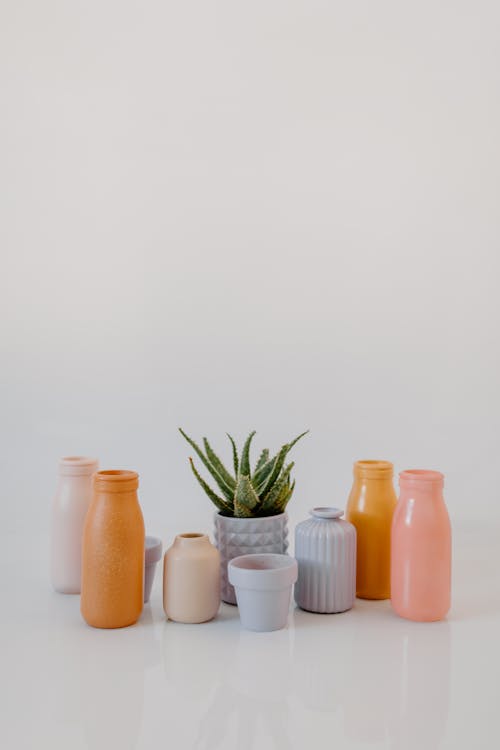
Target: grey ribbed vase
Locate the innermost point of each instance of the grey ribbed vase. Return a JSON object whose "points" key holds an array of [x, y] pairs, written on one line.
{"points": [[325, 549], [247, 536]]}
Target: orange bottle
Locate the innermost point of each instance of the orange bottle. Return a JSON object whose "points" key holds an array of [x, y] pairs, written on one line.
{"points": [[113, 552], [370, 508]]}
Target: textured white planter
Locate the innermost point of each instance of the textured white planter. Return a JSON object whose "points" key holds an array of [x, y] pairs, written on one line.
{"points": [[325, 549], [263, 585], [242, 536]]}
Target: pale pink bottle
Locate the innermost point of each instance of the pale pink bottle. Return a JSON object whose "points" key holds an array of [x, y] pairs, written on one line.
{"points": [[69, 508], [421, 548]]}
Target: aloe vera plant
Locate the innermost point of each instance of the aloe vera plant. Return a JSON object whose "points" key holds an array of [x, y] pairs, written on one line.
{"points": [[244, 493]]}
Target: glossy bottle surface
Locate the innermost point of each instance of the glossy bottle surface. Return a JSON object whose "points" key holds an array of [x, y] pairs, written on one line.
{"points": [[69, 508], [421, 548], [113, 552], [191, 579], [370, 509]]}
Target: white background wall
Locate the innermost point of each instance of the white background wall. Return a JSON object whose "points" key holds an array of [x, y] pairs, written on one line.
{"points": [[275, 215]]}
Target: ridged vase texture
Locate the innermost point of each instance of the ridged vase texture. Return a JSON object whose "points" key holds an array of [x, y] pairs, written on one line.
{"points": [[247, 536], [325, 550]]}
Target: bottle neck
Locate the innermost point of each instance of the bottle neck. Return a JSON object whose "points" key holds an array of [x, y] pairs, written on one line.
{"points": [[191, 540], [116, 482], [368, 471], [420, 491], [419, 483], [82, 467]]}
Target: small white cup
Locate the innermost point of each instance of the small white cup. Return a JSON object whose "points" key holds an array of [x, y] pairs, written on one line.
{"points": [[263, 585]]}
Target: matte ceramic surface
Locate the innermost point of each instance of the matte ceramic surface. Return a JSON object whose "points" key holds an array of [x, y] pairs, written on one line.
{"points": [[421, 548], [241, 536], [325, 550], [69, 508], [191, 579], [113, 552], [370, 508], [263, 586], [152, 554]]}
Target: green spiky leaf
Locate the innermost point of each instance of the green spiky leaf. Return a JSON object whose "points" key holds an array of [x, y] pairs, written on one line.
{"points": [[219, 466], [269, 472], [219, 503], [245, 498], [277, 491], [227, 490], [245, 456], [266, 485], [284, 497], [266, 493], [263, 458], [235, 455], [299, 437]]}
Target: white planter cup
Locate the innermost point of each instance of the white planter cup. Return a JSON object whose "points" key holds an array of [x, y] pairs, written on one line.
{"points": [[263, 586]]}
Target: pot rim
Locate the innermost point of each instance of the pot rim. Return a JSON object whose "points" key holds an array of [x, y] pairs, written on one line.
{"points": [[280, 572], [262, 519]]}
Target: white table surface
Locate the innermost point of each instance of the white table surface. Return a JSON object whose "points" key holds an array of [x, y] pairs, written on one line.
{"points": [[363, 679]]}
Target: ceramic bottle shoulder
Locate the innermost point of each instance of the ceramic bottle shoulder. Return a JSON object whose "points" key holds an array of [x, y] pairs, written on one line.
{"points": [[411, 511], [203, 553], [326, 529]]}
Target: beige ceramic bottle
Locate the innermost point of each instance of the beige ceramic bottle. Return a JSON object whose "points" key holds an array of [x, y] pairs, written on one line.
{"points": [[191, 579]]}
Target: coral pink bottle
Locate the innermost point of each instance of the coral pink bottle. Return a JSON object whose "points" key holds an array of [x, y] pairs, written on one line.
{"points": [[421, 548]]}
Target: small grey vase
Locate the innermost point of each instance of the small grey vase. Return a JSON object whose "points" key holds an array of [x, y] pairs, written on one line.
{"points": [[325, 549]]}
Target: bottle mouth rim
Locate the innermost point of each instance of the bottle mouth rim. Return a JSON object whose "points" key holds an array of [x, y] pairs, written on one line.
{"points": [[421, 475], [77, 465], [116, 475], [326, 512], [373, 468], [116, 480]]}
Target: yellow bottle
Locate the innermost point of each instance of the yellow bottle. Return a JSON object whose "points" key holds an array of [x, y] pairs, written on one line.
{"points": [[370, 507]]}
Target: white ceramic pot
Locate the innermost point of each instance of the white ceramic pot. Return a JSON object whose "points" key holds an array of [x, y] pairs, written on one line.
{"points": [[244, 536], [263, 586]]}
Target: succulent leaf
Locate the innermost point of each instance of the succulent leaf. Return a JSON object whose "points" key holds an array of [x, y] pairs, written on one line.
{"points": [[223, 485], [235, 455], [245, 499], [262, 474], [266, 493], [219, 466], [219, 503], [263, 458], [277, 492], [296, 440], [265, 477], [245, 456], [273, 475], [284, 497]]}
